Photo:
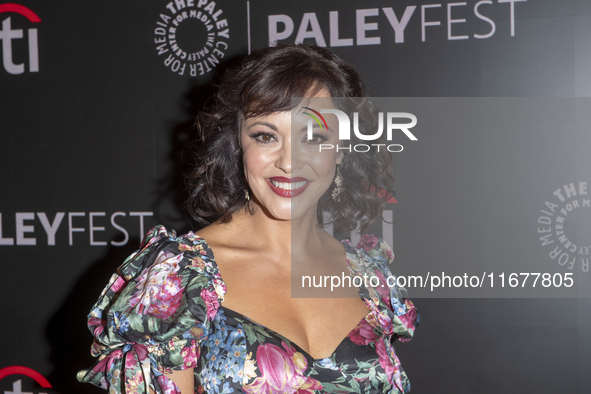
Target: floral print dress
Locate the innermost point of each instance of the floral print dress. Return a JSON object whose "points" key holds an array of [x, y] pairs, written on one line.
{"points": [[162, 312]]}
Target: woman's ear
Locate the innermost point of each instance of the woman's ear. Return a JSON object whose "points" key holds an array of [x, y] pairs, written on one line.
{"points": [[340, 158]]}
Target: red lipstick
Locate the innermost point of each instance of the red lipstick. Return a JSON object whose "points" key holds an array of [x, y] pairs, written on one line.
{"points": [[287, 193]]}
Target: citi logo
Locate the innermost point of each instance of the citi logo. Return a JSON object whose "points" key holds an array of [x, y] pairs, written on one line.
{"points": [[17, 387], [392, 124], [8, 34]]}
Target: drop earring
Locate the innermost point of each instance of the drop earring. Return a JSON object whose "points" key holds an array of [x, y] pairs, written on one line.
{"points": [[338, 181], [246, 195]]}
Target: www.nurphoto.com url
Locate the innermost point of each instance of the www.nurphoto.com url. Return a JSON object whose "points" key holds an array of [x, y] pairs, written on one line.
{"points": [[490, 279]]}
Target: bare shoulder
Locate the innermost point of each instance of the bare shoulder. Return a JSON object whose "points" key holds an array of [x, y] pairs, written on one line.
{"points": [[210, 233], [225, 239], [331, 244], [217, 235]]}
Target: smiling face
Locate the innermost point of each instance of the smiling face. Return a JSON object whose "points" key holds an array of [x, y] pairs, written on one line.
{"points": [[284, 169]]}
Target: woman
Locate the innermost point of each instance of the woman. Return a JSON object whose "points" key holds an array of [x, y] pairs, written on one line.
{"points": [[214, 312]]}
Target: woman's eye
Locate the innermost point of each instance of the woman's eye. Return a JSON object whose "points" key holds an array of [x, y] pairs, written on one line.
{"points": [[316, 139], [263, 137]]}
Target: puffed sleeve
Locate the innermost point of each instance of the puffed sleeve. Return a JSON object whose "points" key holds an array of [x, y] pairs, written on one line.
{"points": [[400, 314], [153, 314]]}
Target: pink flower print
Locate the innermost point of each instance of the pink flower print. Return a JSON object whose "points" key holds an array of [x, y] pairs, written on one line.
{"points": [[211, 302], [134, 353], [277, 367], [309, 386], [220, 286], [160, 289], [167, 385], [368, 242], [396, 376], [385, 360], [383, 289], [132, 385], [98, 325], [281, 371], [168, 300], [386, 322], [107, 363], [410, 317], [198, 263], [190, 355], [119, 283], [131, 362], [363, 334]]}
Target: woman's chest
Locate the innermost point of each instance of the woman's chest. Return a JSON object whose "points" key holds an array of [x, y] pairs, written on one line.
{"points": [[318, 324], [241, 356]]}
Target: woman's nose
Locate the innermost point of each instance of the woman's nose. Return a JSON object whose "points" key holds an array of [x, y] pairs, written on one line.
{"points": [[284, 156], [289, 158]]}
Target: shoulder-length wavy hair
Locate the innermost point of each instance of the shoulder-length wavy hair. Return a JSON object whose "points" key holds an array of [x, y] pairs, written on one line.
{"points": [[264, 83]]}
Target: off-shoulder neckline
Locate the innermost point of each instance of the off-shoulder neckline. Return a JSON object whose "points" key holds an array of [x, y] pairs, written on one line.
{"points": [[370, 310], [345, 242]]}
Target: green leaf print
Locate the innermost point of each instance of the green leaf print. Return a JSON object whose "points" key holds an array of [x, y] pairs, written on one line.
{"points": [[176, 357], [253, 333], [135, 322]]}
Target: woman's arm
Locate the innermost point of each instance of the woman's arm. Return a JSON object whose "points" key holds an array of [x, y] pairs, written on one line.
{"points": [[162, 255], [185, 380]]}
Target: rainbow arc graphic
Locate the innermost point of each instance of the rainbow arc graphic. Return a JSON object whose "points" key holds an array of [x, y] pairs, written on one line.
{"points": [[316, 118]]}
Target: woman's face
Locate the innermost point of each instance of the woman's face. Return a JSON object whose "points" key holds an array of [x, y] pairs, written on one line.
{"points": [[286, 171]]}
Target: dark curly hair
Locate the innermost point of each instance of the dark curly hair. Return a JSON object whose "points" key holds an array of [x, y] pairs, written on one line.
{"points": [[263, 83]]}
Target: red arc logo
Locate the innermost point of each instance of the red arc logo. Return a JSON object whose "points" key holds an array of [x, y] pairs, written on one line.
{"points": [[8, 35], [20, 9], [18, 370]]}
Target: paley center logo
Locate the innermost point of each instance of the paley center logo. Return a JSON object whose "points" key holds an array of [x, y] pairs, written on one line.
{"points": [[563, 226], [8, 34], [191, 36], [345, 129]]}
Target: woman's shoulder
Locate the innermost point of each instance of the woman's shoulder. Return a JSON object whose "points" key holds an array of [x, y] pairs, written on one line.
{"points": [[160, 303], [372, 257], [159, 240], [166, 259], [169, 285], [371, 250]]}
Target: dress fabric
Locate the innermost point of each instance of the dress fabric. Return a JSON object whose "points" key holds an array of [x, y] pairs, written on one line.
{"points": [[162, 312]]}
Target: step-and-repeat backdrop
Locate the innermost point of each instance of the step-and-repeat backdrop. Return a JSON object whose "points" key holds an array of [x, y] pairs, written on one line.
{"points": [[96, 105]]}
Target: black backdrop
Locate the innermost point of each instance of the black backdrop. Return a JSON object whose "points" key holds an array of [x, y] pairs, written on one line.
{"points": [[92, 135]]}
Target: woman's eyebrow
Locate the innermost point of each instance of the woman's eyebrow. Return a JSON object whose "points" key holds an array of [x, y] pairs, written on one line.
{"points": [[271, 126], [315, 126]]}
